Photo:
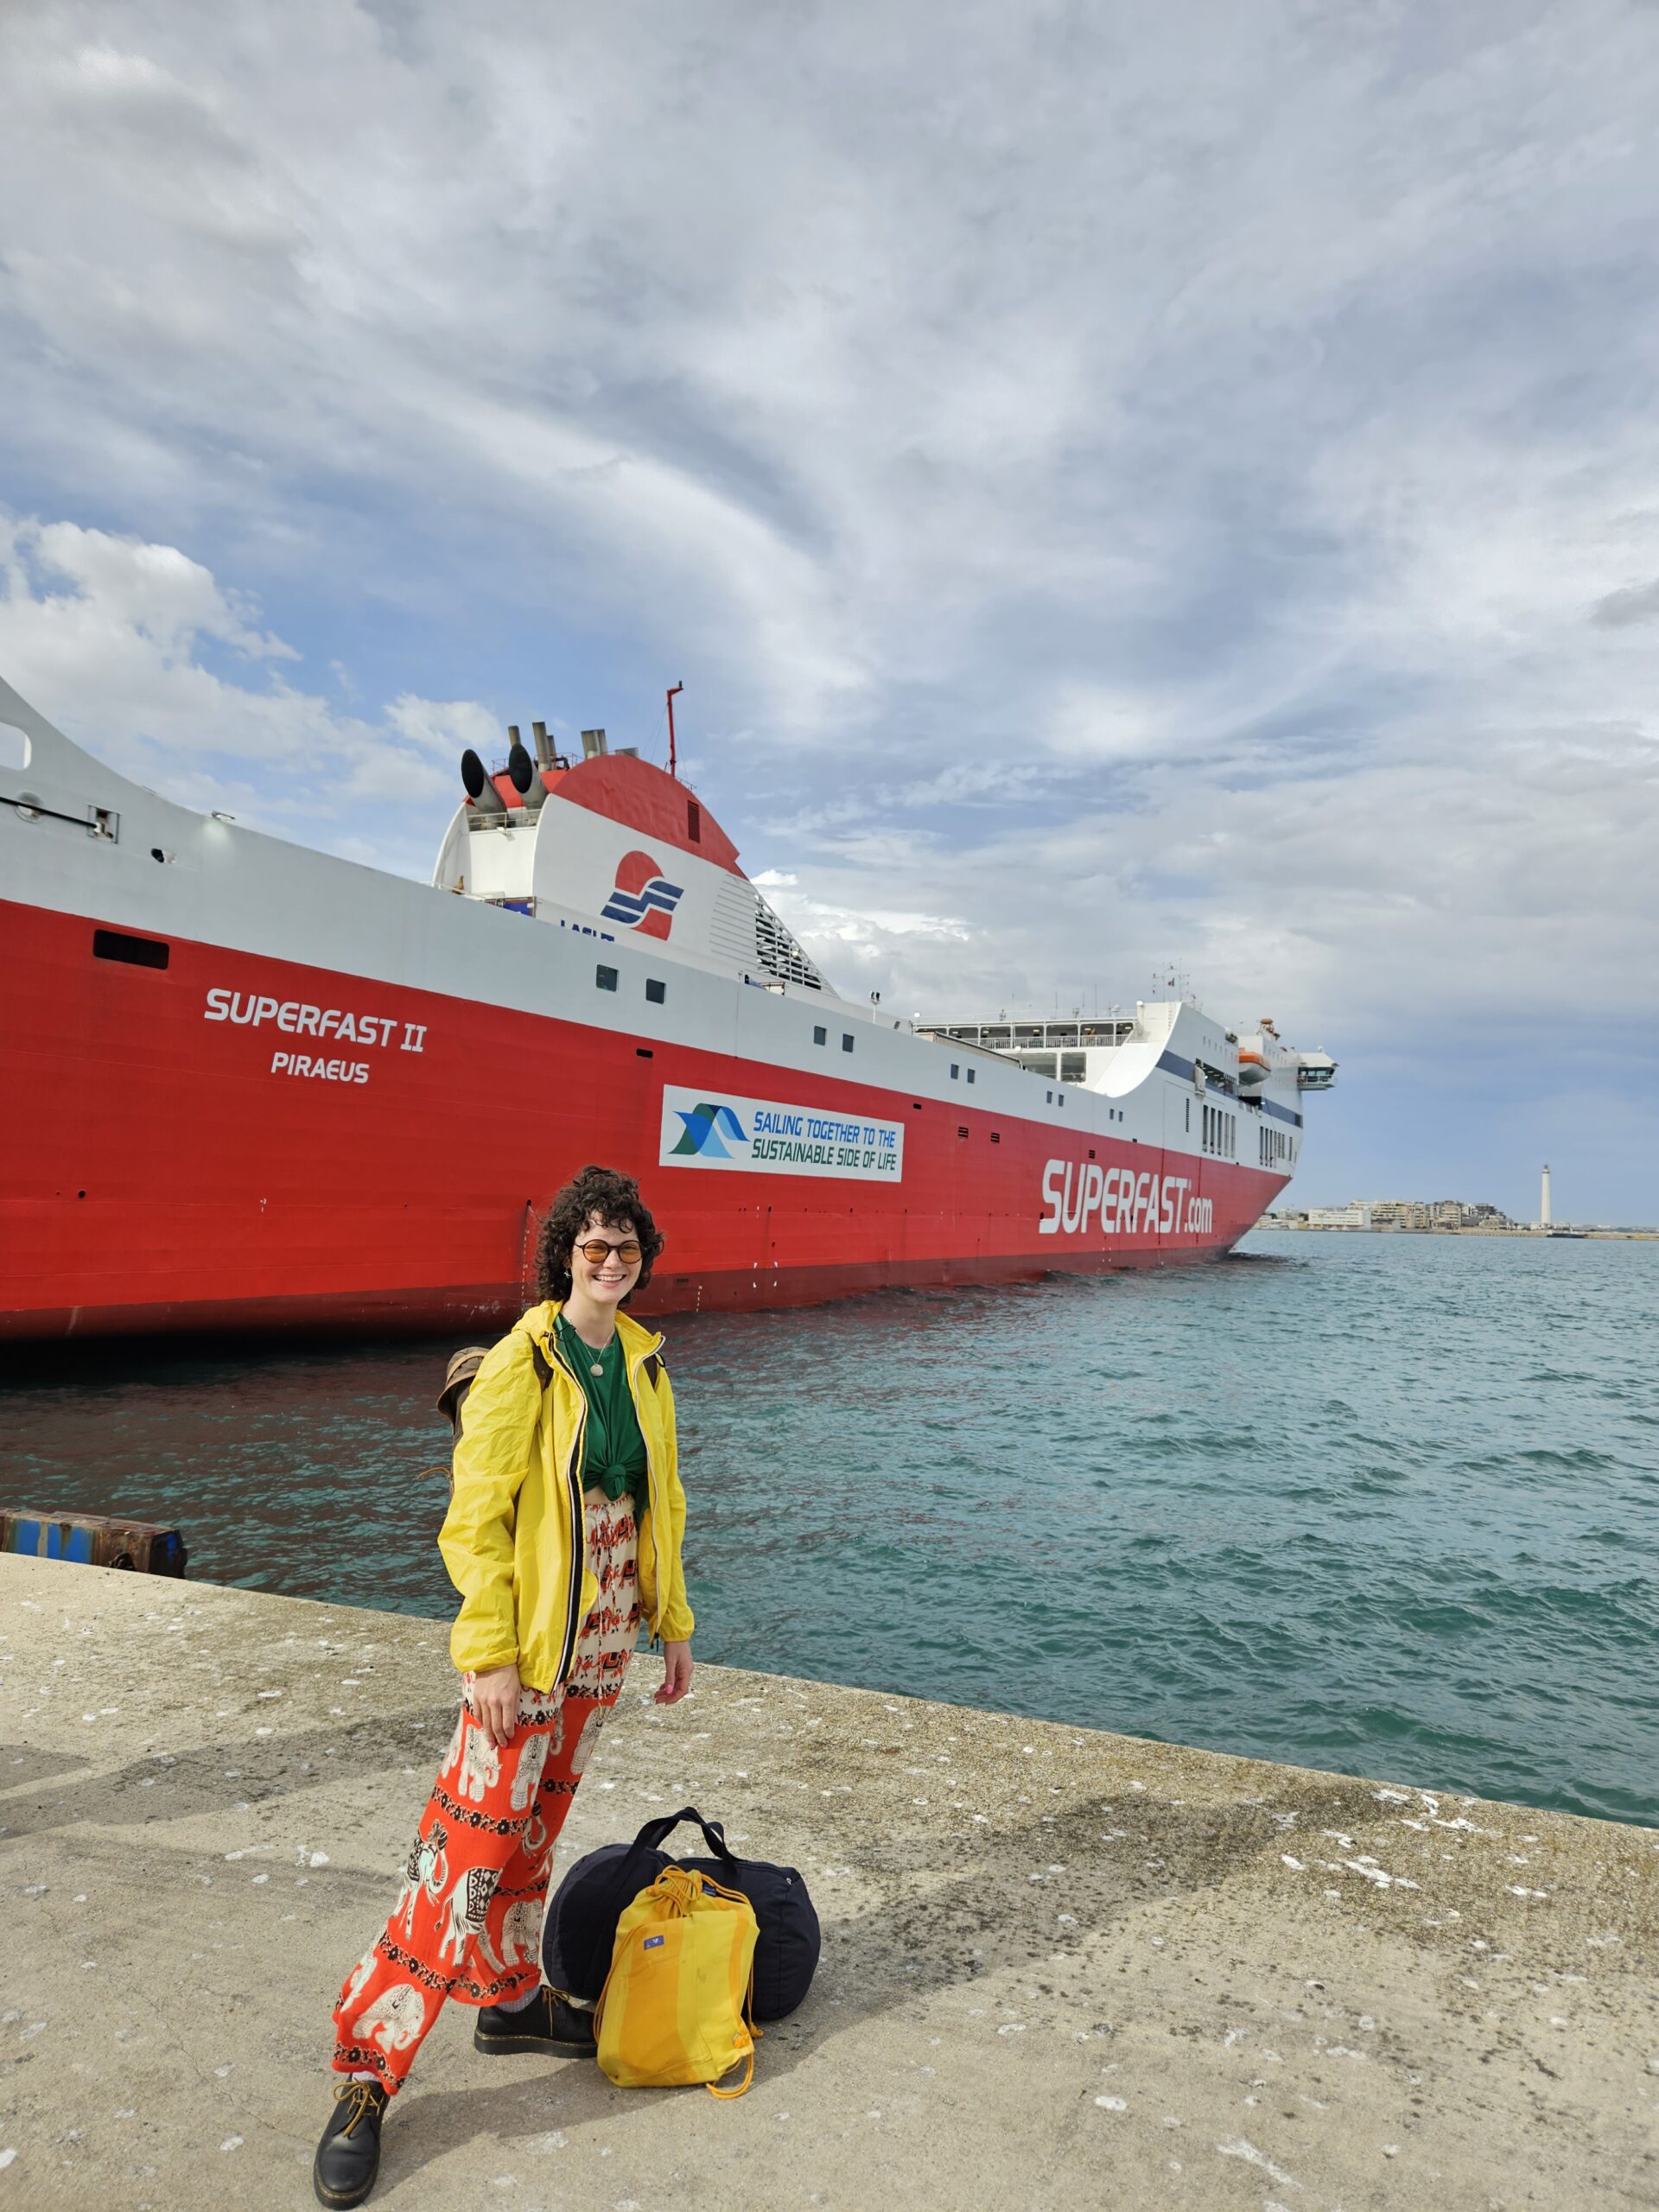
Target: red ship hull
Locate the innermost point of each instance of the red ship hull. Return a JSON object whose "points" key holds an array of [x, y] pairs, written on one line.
{"points": [[157, 1175]]}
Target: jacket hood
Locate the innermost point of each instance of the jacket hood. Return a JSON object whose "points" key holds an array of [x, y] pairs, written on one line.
{"points": [[637, 1340]]}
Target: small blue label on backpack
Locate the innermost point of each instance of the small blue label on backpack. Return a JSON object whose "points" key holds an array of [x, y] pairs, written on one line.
{"points": [[651, 1942]]}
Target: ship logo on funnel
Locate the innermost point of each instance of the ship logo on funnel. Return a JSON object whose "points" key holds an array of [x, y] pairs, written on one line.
{"points": [[643, 899]]}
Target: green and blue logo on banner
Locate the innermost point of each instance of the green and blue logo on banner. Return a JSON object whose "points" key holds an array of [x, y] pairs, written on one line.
{"points": [[770, 1137]]}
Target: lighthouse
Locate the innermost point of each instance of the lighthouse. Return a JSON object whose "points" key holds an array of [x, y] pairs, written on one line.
{"points": [[1546, 1216]]}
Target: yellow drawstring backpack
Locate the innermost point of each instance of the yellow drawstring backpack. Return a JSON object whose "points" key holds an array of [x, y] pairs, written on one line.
{"points": [[674, 2005]]}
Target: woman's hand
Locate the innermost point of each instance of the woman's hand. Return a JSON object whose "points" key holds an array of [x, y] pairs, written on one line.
{"points": [[677, 1673], [495, 1701]]}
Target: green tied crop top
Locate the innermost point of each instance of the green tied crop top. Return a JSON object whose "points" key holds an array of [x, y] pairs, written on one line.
{"points": [[612, 1450]]}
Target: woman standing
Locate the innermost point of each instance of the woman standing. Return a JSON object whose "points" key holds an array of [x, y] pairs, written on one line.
{"points": [[564, 1530]]}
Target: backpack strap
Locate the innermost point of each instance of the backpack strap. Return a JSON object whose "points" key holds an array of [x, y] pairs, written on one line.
{"points": [[746, 2015]]}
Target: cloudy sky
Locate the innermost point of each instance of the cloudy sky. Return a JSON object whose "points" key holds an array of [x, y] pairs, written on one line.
{"points": [[1124, 489]]}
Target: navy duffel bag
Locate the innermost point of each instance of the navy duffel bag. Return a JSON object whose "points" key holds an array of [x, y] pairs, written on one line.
{"points": [[579, 1933]]}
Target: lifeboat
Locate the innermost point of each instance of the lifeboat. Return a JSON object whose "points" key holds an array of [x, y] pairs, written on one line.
{"points": [[1253, 1072]]}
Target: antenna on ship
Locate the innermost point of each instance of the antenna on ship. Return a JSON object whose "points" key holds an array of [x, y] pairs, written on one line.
{"points": [[673, 765]]}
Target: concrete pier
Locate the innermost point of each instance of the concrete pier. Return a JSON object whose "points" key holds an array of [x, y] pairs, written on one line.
{"points": [[1061, 1968]]}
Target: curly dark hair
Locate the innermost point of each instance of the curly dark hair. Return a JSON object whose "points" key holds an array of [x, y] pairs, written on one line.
{"points": [[602, 1194]]}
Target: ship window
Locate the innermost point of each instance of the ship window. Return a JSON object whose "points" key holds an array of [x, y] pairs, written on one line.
{"points": [[847, 1041], [1189, 1113], [996, 1137], [694, 821], [644, 1052], [655, 989], [956, 1069], [1073, 1067], [971, 1075], [135, 951], [604, 979], [1049, 1097], [961, 1132], [820, 1036]]}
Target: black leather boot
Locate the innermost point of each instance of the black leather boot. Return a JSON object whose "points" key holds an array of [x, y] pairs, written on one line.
{"points": [[348, 2156], [546, 2024]]}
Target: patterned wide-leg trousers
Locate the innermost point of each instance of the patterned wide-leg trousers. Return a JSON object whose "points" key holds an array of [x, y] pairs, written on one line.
{"points": [[467, 1924]]}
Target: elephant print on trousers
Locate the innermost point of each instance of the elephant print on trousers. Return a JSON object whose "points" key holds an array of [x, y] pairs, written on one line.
{"points": [[480, 1766], [532, 1759], [426, 1870], [359, 1976], [521, 1936], [465, 1910], [394, 2020], [585, 1742]]}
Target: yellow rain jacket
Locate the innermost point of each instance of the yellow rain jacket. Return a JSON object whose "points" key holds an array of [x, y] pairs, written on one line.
{"points": [[513, 1537]]}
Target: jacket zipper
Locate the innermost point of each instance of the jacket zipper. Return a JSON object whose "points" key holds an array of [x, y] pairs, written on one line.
{"points": [[651, 1487], [578, 1526]]}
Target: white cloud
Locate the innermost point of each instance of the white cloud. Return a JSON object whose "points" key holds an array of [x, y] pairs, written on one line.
{"points": [[1130, 485], [105, 636]]}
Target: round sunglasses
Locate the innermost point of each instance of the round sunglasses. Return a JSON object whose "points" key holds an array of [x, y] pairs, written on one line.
{"points": [[598, 1252]]}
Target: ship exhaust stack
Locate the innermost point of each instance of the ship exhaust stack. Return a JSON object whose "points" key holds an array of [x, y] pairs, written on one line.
{"points": [[1545, 1208], [594, 744], [532, 791], [544, 744], [483, 792]]}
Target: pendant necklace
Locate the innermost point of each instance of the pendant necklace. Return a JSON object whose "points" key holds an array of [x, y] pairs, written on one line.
{"points": [[595, 1367]]}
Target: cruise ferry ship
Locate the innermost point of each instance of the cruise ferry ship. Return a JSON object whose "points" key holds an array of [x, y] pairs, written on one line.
{"points": [[250, 1085]]}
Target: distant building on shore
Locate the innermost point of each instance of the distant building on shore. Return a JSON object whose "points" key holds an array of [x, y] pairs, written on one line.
{"points": [[1443, 1217], [1397, 1213], [1437, 1213]]}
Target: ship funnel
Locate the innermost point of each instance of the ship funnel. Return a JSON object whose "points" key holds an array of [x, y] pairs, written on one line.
{"points": [[594, 744], [544, 744], [481, 792], [525, 781]]}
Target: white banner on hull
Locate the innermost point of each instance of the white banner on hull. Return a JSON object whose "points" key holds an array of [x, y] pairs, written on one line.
{"points": [[704, 1128]]}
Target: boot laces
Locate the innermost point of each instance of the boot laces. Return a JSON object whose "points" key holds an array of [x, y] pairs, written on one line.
{"points": [[365, 2097]]}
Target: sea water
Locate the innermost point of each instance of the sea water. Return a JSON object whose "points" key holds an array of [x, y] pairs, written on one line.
{"points": [[1384, 1504]]}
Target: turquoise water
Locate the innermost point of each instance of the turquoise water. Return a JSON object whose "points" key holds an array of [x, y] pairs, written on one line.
{"points": [[1383, 1504]]}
